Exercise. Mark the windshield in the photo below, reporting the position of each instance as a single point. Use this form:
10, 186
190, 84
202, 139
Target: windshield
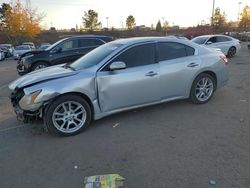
22, 48
200, 40
95, 56
55, 44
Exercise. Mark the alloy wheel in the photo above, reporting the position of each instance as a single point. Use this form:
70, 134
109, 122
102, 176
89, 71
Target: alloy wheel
204, 89
69, 117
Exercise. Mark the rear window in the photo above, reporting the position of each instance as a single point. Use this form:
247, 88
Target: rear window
173, 50
223, 39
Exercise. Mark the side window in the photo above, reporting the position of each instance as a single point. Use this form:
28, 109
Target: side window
68, 45
212, 39
172, 50
89, 42
138, 55
223, 39
190, 51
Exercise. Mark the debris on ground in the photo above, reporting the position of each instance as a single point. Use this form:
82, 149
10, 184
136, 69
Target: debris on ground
75, 167
115, 125
104, 181
212, 182
242, 120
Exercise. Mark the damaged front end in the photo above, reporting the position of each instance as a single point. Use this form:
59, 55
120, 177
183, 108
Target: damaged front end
23, 115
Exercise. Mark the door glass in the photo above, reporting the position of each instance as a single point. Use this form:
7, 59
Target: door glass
172, 50
223, 39
89, 42
138, 55
68, 45
212, 39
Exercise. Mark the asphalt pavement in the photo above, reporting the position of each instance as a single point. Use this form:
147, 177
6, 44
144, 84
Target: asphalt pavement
171, 145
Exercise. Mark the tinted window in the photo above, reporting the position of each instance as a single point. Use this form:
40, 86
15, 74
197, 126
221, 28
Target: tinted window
223, 39
95, 56
200, 40
172, 50
190, 51
212, 39
89, 42
68, 45
138, 55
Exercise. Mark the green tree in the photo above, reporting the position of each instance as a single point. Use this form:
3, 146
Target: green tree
158, 26
219, 20
130, 22
90, 20
245, 18
165, 26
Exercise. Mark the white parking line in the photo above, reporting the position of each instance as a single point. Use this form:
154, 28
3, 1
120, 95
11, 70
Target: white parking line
11, 128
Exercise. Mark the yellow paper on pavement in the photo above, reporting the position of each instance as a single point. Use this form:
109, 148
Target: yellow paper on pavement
104, 181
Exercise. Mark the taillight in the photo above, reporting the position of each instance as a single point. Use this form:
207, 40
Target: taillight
224, 58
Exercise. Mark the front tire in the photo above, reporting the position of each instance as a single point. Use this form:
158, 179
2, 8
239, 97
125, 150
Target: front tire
202, 89
68, 115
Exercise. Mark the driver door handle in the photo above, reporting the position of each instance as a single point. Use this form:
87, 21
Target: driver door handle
151, 74
192, 65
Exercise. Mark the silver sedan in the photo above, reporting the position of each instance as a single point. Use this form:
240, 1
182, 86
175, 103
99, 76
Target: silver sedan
120, 75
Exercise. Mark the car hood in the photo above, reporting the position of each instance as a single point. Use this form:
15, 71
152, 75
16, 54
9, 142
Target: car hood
42, 75
33, 52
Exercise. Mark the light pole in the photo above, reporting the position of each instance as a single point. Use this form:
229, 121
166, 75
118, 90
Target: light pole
107, 22
239, 3
212, 18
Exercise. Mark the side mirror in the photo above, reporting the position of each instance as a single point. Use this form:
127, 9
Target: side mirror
117, 65
209, 42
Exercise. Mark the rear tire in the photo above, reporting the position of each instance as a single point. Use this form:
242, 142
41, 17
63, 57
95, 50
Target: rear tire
202, 89
67, 115
231, 52
39, 65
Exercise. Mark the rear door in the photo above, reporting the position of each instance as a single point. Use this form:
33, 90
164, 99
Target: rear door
67, 53
178, 65
137, 84
224, 43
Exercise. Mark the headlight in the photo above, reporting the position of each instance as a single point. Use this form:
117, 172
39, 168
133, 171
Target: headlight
28, 102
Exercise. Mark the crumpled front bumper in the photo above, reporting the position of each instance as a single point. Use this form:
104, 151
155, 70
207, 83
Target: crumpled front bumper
22, 115
21, 69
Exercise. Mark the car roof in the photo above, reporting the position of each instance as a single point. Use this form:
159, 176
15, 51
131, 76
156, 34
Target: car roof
89, 36
213, 36
150, 39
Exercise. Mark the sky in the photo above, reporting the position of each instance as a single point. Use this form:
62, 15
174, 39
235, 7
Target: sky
67, 13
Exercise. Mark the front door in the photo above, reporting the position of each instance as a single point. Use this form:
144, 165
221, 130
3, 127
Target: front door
136, 85
68, 52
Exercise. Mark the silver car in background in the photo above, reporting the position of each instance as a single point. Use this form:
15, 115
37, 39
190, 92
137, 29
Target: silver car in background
228, 45
120, 75
20, 50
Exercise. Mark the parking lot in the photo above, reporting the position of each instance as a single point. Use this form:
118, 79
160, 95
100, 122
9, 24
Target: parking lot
172, 145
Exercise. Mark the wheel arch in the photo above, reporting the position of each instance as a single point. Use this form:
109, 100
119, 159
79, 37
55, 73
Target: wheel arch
40, 61
211, 73
82, 95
